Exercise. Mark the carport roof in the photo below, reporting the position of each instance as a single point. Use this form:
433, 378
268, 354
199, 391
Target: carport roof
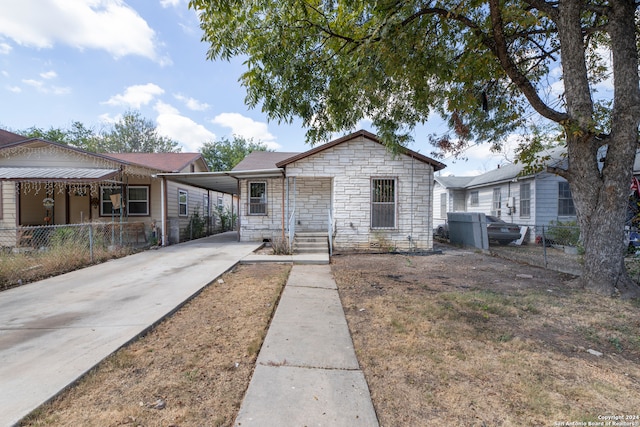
224, 182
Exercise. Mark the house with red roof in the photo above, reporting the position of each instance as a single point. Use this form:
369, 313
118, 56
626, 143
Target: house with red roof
47, 183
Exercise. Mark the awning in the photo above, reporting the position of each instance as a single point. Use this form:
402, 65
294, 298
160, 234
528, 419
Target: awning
224, 182
56, 174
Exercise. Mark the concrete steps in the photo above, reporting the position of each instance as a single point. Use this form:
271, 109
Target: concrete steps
310, 243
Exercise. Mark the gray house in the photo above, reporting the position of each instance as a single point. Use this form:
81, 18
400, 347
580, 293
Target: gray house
530, 200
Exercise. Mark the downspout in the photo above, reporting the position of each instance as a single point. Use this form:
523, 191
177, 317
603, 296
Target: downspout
163, 210
238, 209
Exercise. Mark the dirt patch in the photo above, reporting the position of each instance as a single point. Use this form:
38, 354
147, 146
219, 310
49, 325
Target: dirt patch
465, 338
191, 370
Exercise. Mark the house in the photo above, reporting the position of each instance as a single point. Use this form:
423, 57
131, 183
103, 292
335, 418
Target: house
47, 183
352, 189
534, 199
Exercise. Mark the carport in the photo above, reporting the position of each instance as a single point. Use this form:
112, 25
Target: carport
224, 182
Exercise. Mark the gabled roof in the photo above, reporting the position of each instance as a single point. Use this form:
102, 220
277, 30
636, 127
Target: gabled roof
262, 160
454, 181
361, 133
166, 162
7, 137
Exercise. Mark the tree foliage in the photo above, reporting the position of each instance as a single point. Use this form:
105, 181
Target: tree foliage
135, 134
225, 154
485, 66
131, 133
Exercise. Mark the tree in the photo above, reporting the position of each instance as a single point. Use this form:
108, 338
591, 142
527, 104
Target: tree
225, 154
483, 65
135, 134
52, 134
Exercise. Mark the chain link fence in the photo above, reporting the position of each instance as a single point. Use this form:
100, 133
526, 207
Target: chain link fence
33, 252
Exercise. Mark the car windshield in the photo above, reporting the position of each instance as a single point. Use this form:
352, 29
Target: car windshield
493, 219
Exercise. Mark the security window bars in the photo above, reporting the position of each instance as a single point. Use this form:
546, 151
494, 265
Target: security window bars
565, 200
525, 200
383, 203
257, 198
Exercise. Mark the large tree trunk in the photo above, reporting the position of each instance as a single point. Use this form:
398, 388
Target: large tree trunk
601, 201
600, 168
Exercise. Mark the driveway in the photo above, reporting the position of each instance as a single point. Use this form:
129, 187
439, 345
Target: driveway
55, 330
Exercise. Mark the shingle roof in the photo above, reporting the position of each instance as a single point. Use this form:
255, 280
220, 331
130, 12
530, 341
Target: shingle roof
166, 162
436, 164
7, 137
454, 181
257, 160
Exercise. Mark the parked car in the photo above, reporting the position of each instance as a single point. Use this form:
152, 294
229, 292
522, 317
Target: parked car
497, 230
502, 232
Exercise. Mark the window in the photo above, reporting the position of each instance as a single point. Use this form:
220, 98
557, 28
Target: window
106, 205
137, 200
565, 201
474, 199
183, 199
497, 202
383, 203
257, 198
205, 206
525, 199
443, 205
220, 203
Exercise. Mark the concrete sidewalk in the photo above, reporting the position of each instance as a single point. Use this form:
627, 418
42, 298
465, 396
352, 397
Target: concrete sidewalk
53, 331
307, 373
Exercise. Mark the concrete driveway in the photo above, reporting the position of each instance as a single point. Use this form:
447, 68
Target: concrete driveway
55, 330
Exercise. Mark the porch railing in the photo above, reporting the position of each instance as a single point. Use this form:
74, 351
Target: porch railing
330, 231
292, 229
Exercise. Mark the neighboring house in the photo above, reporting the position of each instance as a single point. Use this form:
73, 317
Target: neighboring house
78, 186
531, 200
352, 189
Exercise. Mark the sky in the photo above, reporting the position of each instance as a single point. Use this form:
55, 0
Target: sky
90, 61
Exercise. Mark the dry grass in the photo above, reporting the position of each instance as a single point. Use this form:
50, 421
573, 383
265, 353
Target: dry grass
460, 339
191, 370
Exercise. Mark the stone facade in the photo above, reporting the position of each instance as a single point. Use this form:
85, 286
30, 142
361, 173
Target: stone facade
339, 179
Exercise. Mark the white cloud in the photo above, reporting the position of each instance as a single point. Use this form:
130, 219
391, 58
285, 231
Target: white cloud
108, 119
174, 125
109, 25
136, 96
49, 75
247, 128
169, 3
41, 87
192, 103
14, 89
5, 48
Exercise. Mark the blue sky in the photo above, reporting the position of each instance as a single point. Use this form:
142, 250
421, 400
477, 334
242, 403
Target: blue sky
92, 60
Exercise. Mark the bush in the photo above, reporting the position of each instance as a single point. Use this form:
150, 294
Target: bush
565, 233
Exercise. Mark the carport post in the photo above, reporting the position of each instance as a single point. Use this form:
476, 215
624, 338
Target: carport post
163, 210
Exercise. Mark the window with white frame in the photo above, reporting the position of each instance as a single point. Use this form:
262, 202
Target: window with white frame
496, 205
383, 203
565, 200
183, 200
137, 200
443, 205
257, 198
220, 202
474, 198
206, 212
106, 204
525, 199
